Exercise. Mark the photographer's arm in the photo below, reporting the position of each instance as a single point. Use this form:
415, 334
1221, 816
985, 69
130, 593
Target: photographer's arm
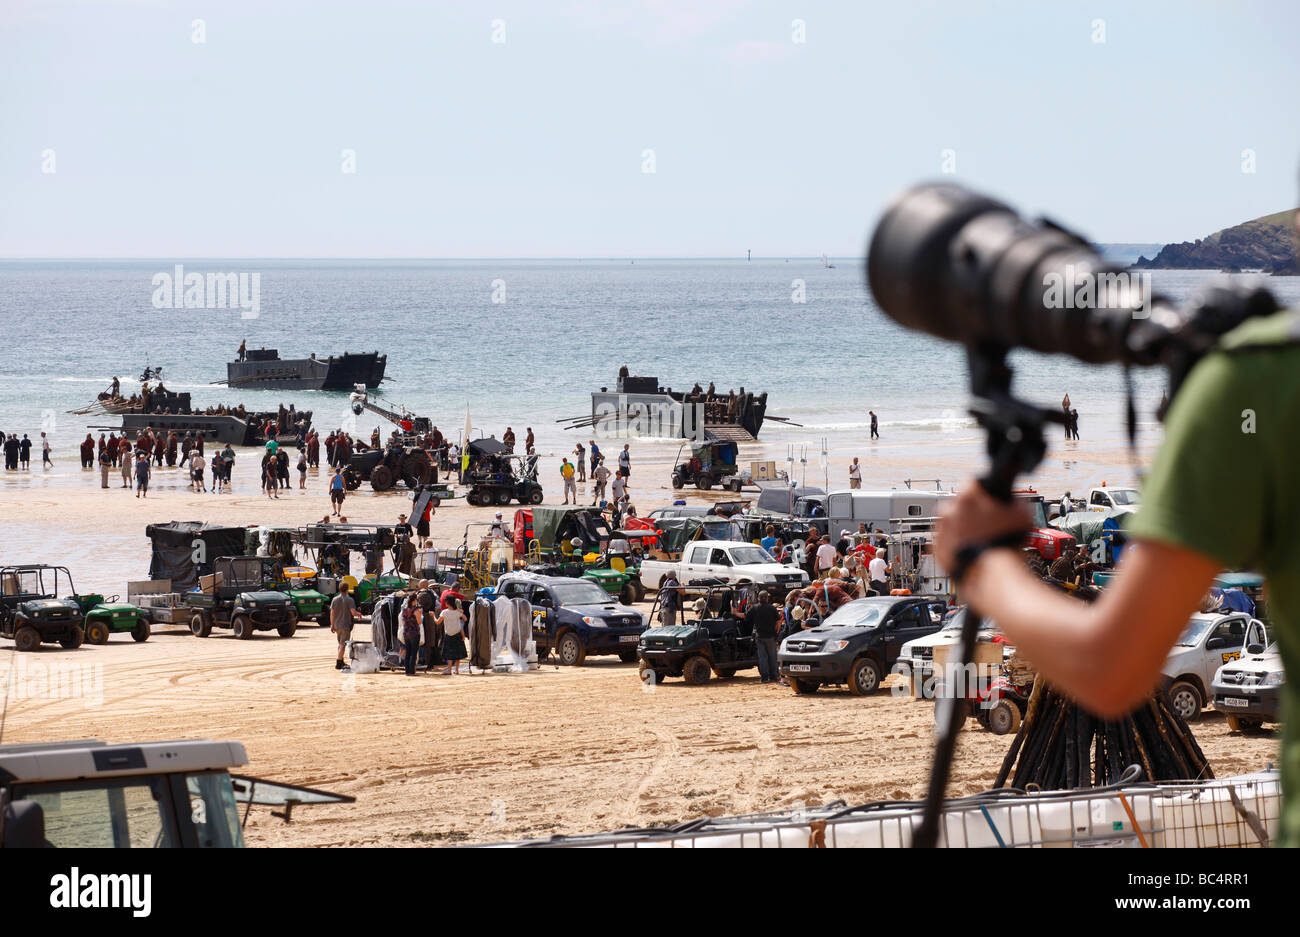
1108, 654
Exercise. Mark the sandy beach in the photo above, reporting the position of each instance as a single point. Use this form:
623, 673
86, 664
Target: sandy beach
481, 758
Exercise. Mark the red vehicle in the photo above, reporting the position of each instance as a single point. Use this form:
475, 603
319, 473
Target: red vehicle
1043, 544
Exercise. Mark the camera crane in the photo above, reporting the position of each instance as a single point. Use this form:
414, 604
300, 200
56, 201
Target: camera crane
407, 421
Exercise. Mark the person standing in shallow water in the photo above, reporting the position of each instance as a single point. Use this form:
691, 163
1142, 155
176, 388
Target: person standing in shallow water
875, 425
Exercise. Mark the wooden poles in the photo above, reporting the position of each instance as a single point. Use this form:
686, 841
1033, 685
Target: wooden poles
1061, 746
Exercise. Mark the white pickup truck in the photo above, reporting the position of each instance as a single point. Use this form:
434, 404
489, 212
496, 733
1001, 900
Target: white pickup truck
1209, 641
1105, 499
731, 561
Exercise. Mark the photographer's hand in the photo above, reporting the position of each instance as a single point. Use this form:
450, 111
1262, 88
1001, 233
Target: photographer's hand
975, 517
1107, 654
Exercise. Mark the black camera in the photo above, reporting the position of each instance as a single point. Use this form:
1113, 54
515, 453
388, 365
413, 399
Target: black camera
965, 267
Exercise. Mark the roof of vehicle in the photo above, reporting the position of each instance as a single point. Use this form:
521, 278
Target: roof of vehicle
488, 446
723, 543
538, 578
23, 567
89, 758
1239, 580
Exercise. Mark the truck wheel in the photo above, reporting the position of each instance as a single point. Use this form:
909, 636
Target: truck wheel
627, 595
1003, 718
535, 495
697, 670
242, 625
1037, 563
639, 589
704, 481
1250, 725
645, 668
803, 687
351, 479
1186, 700
72, 641
726, 673
570, 650
677, 481
864, 677
140, 633
381, 478
200, 625
286, 630
628, 657
503, 497
323, 619
96, 633
27, 638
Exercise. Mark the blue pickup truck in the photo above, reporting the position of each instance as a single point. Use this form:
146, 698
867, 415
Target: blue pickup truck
575, 617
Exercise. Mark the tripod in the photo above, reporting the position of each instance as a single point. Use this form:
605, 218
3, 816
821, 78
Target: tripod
1015, 445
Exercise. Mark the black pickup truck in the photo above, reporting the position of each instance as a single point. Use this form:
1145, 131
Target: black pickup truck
858, 643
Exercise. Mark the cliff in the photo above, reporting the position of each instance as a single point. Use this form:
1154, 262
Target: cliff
1267, 244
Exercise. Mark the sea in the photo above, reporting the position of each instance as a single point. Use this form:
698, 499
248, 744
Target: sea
523, 343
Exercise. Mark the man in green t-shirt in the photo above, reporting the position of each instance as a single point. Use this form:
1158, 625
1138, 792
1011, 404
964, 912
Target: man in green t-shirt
1221, 494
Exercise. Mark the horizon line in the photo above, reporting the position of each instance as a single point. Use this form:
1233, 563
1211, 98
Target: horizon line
859, 258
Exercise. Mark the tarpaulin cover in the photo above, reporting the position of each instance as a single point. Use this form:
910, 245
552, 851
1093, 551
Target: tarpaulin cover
1086, 526
175, 545
552, 523
488, 447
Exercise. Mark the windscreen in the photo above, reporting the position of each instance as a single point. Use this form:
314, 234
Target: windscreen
581, 593
755, 554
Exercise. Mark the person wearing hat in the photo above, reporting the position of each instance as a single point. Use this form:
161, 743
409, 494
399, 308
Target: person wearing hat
498, 530
402, 528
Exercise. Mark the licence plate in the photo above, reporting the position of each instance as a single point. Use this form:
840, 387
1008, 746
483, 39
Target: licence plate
800, 668
1235, 701
628, 638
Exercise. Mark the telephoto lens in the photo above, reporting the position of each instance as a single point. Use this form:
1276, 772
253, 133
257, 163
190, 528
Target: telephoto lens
966, 267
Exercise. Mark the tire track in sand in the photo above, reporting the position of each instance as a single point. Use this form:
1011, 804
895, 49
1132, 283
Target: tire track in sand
669, 749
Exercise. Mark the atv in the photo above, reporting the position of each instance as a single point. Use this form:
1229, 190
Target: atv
32, 613
107, 616
237, 600
718, 640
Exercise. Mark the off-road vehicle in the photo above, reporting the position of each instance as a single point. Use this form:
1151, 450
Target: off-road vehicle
234, 598
31, 611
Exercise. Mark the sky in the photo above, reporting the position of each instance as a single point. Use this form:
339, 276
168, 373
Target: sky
577, 128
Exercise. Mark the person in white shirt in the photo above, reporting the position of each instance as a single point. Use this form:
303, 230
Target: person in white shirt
619, 489
1066, 504
426, 559
453, 642
878, 573
498, 529
855, 474
827, 558
196, 467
